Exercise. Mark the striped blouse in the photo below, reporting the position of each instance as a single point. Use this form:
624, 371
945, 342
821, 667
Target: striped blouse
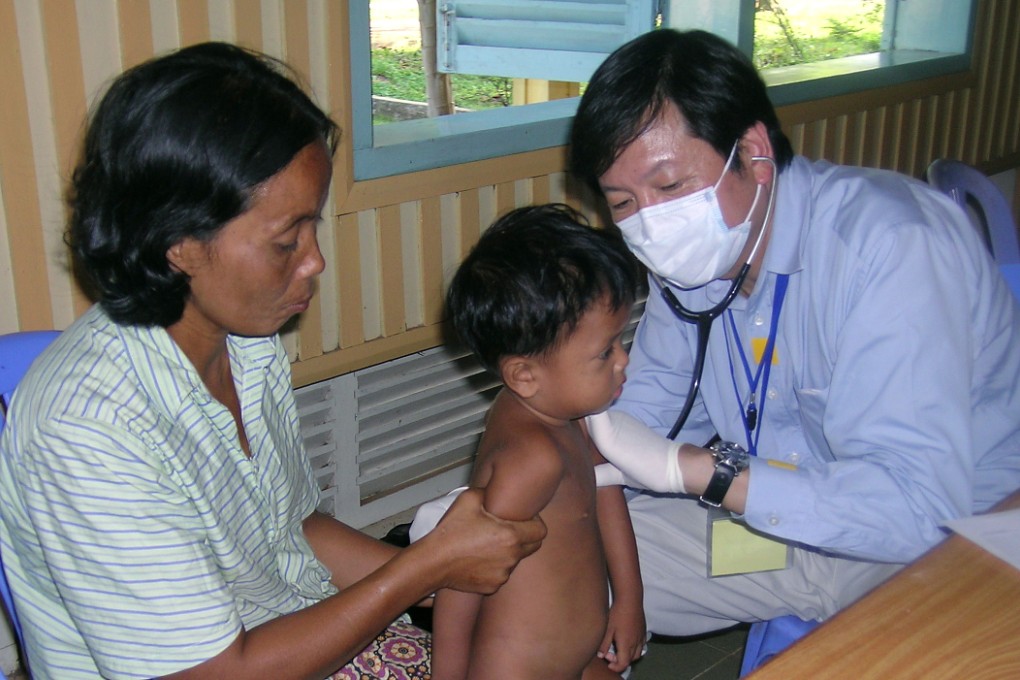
137, 536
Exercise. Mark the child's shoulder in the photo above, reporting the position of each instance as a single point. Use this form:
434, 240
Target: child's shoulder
520, 469
524, 441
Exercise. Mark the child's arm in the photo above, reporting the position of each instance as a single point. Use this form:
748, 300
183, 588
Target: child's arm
523, 480
626, 628
453, 624
520, 485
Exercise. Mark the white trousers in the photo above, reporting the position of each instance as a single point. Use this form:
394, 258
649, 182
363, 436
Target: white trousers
680, 599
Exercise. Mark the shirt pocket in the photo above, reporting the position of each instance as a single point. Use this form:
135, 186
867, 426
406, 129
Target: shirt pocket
812, 402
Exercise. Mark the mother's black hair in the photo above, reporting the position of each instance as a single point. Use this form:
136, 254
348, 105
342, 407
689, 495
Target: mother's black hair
174, 150
713, 84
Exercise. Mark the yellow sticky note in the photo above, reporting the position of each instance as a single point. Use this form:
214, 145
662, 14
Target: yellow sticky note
758, 349
737, 549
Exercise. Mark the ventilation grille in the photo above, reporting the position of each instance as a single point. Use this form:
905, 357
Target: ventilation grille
419, 416
318, 430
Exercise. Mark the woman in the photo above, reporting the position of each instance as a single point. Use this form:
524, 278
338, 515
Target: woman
158, 508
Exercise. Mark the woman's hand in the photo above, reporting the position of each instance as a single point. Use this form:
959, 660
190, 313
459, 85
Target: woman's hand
481, 549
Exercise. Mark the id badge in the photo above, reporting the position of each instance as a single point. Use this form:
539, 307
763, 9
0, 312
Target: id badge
735, 548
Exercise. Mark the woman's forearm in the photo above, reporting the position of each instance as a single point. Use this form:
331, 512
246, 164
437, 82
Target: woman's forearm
348, 554
317, 640
470, 550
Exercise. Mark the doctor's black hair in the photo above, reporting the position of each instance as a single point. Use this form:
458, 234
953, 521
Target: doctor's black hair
530, 278
175, 149
712, 83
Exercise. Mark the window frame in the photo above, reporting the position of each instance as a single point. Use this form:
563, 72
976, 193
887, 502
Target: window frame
430, 143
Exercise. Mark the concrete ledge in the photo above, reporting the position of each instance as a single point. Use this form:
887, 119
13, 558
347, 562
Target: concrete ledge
402, 109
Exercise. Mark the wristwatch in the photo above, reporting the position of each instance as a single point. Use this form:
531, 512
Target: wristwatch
730, 460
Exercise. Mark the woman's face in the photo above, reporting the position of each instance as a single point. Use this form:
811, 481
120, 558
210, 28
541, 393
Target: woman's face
259, 270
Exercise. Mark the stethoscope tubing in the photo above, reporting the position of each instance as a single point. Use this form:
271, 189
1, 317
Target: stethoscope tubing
703, 319
703, 322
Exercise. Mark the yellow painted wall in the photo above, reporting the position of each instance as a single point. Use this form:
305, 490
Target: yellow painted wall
392, 242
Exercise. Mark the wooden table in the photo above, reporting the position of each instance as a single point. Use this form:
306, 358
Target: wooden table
954, 613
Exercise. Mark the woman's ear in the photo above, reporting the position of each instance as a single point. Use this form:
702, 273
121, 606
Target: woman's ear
174, 255
182, 254
520, 374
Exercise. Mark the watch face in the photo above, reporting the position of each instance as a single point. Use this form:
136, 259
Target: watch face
727, 448
731, 454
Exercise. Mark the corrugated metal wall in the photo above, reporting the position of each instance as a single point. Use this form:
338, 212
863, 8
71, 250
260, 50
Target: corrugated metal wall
393, 241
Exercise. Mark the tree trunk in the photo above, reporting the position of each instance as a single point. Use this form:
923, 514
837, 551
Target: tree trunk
437, 85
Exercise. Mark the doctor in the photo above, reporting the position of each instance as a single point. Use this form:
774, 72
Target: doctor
861, 387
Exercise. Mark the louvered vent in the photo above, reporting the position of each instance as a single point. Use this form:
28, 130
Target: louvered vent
417, 417
543, 39
318, 425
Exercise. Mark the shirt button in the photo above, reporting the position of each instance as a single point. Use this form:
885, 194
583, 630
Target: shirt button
772, 393
794, 457
773, 520
759, 319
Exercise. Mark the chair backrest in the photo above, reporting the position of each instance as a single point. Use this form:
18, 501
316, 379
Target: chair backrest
962, 182
17, 352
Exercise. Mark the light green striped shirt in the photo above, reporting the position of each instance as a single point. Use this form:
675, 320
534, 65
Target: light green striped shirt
137, 536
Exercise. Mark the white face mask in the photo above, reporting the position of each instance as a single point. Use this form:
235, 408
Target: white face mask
686, 241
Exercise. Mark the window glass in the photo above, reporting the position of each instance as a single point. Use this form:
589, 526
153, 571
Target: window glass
507, 91
790, 32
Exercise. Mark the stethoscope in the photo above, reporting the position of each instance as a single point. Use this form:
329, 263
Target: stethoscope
703, 319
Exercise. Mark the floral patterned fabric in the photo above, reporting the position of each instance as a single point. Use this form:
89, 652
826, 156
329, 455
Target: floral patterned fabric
401, 652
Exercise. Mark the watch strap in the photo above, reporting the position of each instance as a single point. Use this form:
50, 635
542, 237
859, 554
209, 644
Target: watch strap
720, 483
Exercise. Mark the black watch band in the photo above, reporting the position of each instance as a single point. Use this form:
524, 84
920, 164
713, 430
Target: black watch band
720, 483
730, 460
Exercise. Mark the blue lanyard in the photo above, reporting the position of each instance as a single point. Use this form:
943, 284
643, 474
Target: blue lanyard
752, 415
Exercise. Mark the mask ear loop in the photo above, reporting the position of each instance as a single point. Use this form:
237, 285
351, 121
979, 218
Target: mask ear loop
766, 223
726, 168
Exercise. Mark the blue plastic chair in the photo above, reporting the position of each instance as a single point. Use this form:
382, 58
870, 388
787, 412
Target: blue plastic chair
768, 638
970, 188
17, 352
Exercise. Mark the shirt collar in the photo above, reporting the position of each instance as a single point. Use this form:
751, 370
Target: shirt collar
789, 220
248, 354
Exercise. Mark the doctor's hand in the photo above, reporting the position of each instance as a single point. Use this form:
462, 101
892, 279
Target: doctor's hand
640, 457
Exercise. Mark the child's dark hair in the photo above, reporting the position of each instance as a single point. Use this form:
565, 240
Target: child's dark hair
530, 278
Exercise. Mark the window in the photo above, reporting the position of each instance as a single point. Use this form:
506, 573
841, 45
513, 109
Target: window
917, 39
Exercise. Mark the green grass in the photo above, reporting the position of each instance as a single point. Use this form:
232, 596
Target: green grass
399, 74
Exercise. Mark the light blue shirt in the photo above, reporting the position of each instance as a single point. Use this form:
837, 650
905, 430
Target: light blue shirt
137, 536
894, 393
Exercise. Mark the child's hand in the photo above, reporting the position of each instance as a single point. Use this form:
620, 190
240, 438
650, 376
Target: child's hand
624, 641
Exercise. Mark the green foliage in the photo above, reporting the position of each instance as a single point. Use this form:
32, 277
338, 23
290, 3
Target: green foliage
773, 52
399, 74
807, 38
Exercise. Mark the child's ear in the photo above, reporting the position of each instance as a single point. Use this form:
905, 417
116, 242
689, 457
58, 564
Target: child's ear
520, 375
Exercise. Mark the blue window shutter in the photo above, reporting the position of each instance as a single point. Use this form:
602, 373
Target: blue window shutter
542, 39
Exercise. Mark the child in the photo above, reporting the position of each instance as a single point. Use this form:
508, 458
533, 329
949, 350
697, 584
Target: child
542, 301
